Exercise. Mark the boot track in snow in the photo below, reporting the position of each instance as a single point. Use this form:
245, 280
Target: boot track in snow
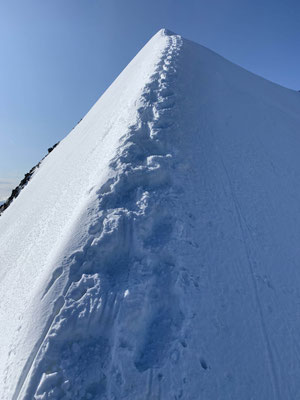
86, 319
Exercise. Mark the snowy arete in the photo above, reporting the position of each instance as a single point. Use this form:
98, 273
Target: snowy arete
155, 253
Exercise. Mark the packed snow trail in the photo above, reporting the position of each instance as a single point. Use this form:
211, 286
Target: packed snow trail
86, 323
154, 254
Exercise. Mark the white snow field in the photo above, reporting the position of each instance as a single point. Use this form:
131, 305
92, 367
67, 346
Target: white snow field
155, 254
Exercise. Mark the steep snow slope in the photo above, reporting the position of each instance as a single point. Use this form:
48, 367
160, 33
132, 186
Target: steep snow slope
155, 253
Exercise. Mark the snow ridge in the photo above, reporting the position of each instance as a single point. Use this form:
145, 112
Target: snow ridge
88, 348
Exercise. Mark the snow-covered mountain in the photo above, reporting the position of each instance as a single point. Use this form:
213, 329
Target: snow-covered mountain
155, 253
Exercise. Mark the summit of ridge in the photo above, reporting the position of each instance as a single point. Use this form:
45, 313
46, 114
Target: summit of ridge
166, 32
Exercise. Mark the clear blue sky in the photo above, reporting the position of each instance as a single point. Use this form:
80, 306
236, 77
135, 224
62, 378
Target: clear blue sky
58, 56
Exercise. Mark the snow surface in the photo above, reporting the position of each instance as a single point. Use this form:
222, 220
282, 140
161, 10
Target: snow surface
155, 253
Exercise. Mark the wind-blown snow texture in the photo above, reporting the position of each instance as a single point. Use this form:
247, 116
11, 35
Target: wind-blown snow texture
155, 253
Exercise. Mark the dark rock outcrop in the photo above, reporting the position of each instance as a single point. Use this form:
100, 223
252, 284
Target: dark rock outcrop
16, 191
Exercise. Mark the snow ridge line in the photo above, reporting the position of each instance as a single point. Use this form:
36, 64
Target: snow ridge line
123, 268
